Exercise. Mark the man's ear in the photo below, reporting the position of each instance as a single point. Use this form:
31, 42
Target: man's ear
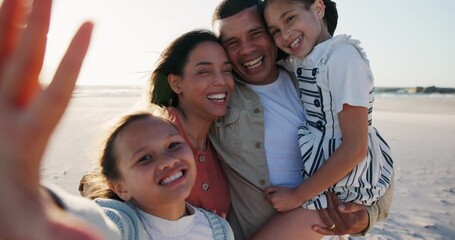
319, 8
174, 81
119, 188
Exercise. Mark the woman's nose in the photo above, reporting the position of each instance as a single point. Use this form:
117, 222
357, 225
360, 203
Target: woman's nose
220, 78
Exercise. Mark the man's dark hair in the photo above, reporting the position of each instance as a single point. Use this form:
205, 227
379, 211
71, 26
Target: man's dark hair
228, 8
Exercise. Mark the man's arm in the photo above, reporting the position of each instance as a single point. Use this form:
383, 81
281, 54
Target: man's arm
381, 209
352, 218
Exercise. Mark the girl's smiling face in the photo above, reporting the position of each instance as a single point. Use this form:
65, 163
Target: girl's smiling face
296, 28
156, 165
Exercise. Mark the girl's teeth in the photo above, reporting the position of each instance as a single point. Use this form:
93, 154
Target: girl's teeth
171, 178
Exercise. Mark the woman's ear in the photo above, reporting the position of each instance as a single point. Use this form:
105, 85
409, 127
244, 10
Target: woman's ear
120, 190
319, 8
174, 82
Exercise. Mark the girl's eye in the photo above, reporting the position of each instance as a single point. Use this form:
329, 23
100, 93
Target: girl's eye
290, 19
145, 159
173, 145
274, 32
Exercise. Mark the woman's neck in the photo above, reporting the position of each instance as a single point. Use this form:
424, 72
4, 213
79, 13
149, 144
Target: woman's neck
195, 127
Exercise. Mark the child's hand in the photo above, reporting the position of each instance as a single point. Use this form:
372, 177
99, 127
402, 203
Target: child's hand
28, 116
283, 199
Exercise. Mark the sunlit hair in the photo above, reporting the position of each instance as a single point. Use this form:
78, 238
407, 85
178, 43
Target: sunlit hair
330, 16
228, 8
95, 183
172, 61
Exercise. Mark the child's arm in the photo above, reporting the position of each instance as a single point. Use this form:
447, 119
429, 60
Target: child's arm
28, 115
354, 127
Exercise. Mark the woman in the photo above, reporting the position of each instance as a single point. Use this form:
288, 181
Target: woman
193, 78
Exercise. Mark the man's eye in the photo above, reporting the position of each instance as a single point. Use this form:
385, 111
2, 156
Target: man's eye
230, 44
256, 33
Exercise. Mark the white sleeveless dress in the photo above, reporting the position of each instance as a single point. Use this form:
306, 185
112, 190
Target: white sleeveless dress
337, 72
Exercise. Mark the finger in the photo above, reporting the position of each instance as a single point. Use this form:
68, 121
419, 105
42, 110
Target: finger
332, 209
323, 230
350, 207
30, 55
49, 107
325, 218
12, 15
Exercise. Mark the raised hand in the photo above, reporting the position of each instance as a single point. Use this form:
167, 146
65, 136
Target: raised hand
28, 115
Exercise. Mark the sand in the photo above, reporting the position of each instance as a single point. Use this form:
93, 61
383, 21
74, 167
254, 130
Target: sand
420, 130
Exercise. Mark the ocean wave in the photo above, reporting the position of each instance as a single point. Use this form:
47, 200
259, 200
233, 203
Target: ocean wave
135, 91
107, 91
414, 90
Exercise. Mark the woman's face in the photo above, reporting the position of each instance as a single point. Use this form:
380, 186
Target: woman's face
156, 165
207, 82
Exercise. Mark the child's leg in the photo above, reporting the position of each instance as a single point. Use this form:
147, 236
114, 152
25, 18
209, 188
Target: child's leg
295, 224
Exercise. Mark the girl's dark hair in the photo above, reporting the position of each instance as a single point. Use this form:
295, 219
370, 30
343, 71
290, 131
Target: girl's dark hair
172, 61
95, 183
330, 15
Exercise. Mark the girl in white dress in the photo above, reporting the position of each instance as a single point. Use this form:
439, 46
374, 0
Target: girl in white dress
341, 150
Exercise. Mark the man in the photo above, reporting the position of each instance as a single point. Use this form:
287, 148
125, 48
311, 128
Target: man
259, 130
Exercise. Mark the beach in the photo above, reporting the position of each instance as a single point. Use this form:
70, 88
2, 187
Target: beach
420, 129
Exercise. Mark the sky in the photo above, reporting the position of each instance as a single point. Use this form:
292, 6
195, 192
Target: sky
409, 43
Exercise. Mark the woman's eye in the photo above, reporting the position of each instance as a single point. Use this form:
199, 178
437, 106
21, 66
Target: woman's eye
204, 72
228, 69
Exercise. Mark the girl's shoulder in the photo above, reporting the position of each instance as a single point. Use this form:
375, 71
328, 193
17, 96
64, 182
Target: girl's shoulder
344, 46
220, 227
124, 215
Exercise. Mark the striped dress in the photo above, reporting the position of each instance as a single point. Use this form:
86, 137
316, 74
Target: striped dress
337, 72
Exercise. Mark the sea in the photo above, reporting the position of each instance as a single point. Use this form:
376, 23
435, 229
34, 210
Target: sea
137, 91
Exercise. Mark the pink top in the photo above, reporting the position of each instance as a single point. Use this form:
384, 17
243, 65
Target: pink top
211, 189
